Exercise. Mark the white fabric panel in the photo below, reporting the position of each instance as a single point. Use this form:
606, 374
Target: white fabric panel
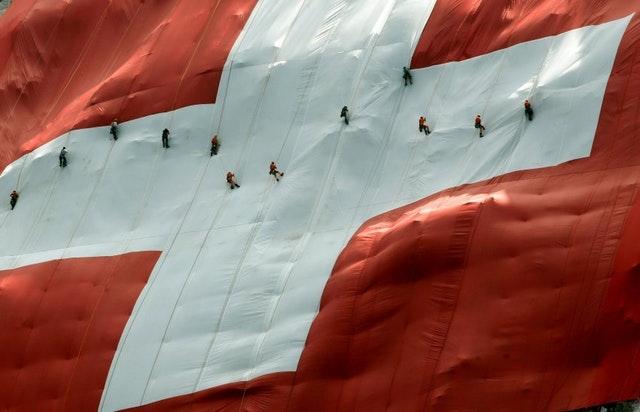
241, 272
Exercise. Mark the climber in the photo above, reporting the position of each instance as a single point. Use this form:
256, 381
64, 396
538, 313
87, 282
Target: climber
528, 111
345, 113
231, 179
406, 75
273, 170
165, 138
14, 199
422, 125
478, 125
214, 145
62, 157
114, 129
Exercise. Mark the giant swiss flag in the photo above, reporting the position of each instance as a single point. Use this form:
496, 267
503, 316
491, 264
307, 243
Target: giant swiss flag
387, 270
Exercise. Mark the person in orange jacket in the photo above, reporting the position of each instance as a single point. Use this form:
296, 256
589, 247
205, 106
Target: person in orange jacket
528, 111
422, 125
13, 199
478, 125
273, 170
214, 145
231, 179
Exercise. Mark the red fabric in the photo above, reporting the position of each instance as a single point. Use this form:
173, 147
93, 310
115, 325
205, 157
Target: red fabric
482, 298
515, 294
461, 29
73, 64
61, 322
519, 293
266, 393
620, 317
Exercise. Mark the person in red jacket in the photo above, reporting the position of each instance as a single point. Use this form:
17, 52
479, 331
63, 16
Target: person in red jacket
478, 125
422, 125
214, 145
273, 170
231, 179
13, 199
528, 111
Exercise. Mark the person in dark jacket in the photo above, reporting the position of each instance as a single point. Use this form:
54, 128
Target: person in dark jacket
165, 138
13, 199
114, 129
62, 157
345, 114
406, 75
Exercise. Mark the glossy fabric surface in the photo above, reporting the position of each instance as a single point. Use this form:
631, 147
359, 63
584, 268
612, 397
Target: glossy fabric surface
495, 273
69, 65
61, 321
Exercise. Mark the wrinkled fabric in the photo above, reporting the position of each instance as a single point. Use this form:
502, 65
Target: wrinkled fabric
74, 64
